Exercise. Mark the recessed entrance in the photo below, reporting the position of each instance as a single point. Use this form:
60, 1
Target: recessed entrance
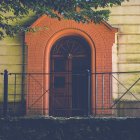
70, 60
54, 51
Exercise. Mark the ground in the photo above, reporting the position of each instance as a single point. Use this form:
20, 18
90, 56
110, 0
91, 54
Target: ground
70, 129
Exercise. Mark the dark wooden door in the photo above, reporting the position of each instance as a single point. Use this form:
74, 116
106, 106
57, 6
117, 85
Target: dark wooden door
70, 59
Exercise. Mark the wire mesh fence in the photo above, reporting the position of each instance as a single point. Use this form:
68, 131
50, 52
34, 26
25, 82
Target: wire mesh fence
70, 94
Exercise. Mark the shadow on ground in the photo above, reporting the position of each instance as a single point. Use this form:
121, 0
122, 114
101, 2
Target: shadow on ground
70, 129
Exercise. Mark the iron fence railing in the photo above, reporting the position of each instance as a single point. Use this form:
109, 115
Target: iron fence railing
70, 94
1, 92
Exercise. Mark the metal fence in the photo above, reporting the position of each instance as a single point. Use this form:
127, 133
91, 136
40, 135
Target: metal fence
99, 94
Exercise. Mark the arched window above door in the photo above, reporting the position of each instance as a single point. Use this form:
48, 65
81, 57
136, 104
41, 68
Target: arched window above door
70, 46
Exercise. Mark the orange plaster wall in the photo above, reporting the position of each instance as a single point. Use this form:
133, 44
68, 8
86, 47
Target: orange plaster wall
100, 38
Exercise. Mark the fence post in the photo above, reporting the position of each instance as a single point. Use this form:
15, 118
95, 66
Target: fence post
89, 92
5, 93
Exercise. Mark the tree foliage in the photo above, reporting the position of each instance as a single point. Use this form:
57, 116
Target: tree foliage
54, 8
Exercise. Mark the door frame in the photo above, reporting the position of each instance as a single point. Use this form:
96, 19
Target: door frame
46, 79
61, 51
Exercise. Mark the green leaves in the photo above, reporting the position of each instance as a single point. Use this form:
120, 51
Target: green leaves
53, 8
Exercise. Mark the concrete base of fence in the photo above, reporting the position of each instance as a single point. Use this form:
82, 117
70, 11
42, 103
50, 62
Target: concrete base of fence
128, 108
70, 129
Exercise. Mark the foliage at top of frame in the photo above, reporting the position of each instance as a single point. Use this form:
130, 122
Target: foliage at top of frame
68, 9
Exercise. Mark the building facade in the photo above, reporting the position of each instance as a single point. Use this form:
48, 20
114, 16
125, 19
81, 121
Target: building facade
103, 48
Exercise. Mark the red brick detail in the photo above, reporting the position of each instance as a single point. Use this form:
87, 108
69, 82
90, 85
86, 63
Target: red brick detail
100, 38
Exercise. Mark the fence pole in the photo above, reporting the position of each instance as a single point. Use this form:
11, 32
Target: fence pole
96, 93
5, 93
89, 92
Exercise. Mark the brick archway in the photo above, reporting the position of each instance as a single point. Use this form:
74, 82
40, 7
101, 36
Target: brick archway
53, 39
99, 37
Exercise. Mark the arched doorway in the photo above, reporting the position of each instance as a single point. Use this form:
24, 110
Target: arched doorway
69, 61
100, 39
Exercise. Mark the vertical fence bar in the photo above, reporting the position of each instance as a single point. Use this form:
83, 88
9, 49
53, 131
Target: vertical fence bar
110, 90
89, 91
96, 93
23, 90
5, 94
28, 94
15, 86
103, 91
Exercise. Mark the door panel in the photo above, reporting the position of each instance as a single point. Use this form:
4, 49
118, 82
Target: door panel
79, 86
59, 98
59, 64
